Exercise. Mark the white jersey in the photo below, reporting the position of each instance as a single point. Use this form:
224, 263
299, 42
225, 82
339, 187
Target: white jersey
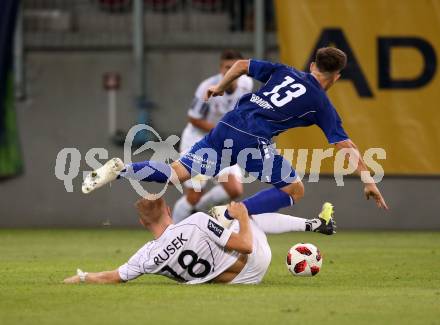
193, 251
213, 110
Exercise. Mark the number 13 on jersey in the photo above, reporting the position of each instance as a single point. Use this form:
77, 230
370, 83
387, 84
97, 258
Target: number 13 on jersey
274, 94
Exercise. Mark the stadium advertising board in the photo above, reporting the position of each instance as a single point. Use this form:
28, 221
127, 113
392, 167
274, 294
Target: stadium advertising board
389, 93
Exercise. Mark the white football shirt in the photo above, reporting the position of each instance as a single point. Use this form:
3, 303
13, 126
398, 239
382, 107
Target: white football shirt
191, 251
214, 109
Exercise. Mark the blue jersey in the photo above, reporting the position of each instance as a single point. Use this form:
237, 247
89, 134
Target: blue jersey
288, 99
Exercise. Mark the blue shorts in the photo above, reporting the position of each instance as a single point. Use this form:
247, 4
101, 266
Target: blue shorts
227, 145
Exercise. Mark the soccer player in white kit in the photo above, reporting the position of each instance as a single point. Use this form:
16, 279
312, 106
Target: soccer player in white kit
200, 250
203, 117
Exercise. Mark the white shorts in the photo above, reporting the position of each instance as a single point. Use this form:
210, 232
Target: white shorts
199, 182
258, 261
190, 136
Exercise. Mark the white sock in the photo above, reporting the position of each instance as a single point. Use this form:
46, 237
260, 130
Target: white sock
182, 209
215, 196
277, 223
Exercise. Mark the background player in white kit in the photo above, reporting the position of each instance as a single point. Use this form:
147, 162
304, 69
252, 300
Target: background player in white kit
200, 250
203, 116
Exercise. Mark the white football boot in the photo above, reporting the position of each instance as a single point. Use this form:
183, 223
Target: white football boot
103, 175
218, 213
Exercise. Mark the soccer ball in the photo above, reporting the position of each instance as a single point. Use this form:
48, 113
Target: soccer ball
304, 260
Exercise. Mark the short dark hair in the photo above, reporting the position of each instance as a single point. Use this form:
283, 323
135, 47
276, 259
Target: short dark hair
330, 59
230, 54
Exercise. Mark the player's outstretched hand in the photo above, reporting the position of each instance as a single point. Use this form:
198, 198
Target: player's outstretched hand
371, 190
213, 91
238, 210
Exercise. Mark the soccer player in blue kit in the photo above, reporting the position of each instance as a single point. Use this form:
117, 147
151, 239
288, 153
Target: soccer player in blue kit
288, 99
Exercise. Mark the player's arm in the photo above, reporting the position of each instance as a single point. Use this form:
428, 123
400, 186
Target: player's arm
330, 123
199, 110
370, 188
238, 69
201, 124
99, 277
241, 241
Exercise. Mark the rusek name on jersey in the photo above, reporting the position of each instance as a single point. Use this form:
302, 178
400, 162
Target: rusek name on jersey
169, 250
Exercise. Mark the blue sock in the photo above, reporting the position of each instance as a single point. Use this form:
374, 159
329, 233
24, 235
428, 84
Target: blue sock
149, 171
269, 200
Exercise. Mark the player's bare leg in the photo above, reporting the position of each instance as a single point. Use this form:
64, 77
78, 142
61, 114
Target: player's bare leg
180, 171
234, 187
295, 190
193, 196
149, 171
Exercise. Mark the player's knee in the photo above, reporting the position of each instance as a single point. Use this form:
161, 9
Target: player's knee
298, 192
235, 191
193, 197
295, 190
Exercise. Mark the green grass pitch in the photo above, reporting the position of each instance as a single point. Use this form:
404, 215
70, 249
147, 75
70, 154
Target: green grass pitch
367, 278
